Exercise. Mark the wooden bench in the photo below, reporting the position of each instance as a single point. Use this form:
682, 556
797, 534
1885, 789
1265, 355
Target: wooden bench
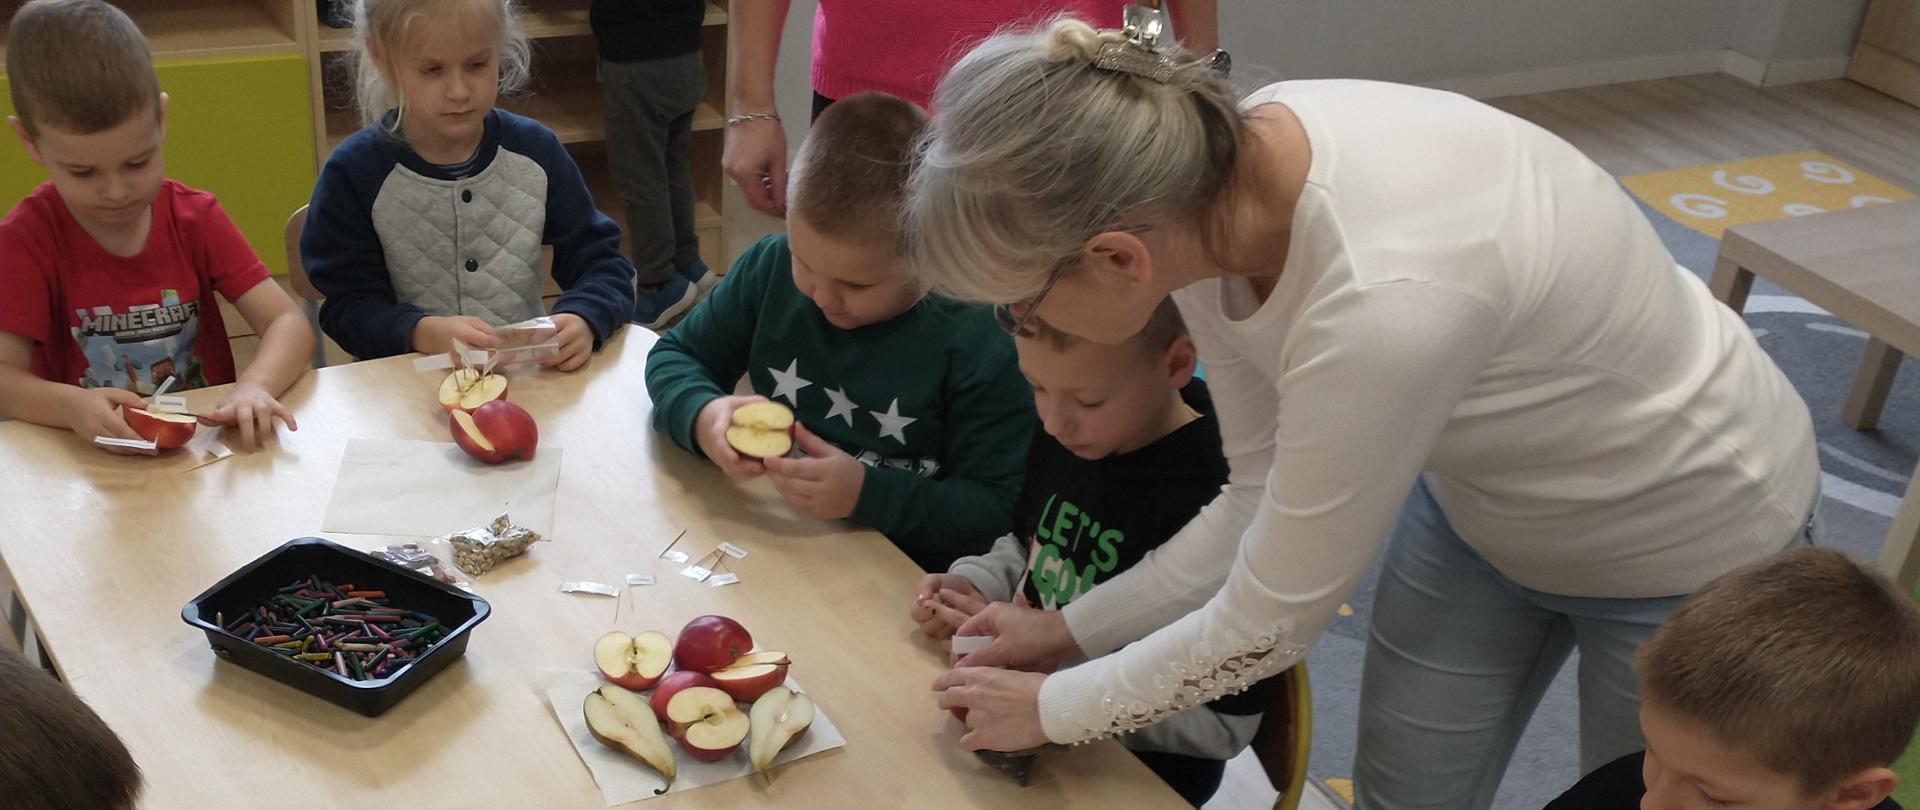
1862, 265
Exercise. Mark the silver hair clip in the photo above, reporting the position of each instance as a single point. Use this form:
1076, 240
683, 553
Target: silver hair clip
1141, 55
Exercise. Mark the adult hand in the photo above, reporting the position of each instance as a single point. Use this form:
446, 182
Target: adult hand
943, 603
250, 408
1001, 707
576, 343
92, 413
1024, 638
755, 156
826, 484
710, 433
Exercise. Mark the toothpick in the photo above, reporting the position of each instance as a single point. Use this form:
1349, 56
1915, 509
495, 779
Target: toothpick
165, 386
676, 541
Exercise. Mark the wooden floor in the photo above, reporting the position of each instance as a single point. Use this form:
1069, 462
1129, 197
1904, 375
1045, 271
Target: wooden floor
1674, 123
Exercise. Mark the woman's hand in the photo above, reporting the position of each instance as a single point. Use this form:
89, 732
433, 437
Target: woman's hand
1000, 707
755, 156
1024, 638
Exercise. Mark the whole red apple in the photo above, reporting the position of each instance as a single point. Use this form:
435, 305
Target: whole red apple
495, 432
711, 642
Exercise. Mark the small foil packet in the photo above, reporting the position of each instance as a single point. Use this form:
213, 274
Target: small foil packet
477, 550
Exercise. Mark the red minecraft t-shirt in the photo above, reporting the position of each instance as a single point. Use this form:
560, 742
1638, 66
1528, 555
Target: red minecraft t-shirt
99, 320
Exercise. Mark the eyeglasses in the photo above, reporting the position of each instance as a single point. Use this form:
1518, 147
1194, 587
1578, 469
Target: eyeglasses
1021, 325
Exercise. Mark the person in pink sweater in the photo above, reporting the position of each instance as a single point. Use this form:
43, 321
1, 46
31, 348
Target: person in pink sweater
901, 47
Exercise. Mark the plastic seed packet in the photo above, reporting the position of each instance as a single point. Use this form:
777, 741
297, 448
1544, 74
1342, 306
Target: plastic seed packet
477, 550
418, 558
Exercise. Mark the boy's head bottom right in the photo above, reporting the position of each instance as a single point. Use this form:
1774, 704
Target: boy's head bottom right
1789, 684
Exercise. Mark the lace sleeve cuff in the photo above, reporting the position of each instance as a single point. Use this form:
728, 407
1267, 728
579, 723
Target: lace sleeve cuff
1086, 703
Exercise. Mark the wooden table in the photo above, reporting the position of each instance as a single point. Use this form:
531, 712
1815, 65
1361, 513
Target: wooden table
106, 549
1862, 265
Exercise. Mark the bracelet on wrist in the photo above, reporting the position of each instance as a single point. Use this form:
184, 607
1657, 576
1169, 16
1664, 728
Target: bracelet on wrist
753, 116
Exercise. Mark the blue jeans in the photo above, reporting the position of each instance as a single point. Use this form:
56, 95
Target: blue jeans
1459, 656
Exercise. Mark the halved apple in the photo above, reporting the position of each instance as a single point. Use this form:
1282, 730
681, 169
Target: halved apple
635, 662
621, 720
762, 430
778, 720
749, 677
467, 389
495, 432
165, 429
707, 722
681, 679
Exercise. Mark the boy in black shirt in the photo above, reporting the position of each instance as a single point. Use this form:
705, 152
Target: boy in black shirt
655, 77
1790, 684
1129, 454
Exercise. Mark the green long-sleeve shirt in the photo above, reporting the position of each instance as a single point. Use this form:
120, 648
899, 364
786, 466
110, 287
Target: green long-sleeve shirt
932, 401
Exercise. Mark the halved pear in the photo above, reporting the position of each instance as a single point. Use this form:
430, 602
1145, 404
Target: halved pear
623, 721
762, 430
777, 720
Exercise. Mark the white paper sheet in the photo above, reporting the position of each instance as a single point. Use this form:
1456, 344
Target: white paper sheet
428, 489
623, 779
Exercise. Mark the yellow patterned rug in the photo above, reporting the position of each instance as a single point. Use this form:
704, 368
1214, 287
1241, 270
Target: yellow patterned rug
1712, 198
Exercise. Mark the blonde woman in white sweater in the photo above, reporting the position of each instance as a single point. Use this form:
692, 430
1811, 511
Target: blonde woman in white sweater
1426, 323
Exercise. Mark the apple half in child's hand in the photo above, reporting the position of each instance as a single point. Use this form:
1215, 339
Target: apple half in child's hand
495, 432
749, 677
621, 720
778, 720
707, 722
634, 662
762, 430
165, 429
466, 389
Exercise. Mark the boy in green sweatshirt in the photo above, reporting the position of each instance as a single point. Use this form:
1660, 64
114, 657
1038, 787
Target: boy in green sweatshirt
911, 411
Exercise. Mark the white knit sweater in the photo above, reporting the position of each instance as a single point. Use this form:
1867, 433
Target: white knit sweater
1467, 296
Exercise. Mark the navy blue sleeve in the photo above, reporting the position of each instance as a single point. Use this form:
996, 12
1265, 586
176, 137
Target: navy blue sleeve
342, 255
596, 278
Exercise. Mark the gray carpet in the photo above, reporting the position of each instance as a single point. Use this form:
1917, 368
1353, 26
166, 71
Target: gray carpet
1864, 476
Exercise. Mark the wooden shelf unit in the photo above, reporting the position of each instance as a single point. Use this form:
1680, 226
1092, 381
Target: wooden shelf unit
198, 29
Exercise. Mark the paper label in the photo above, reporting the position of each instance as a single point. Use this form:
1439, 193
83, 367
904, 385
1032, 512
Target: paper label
675, 556
963, 645
696, 573
723, 579
144, 446
168, 403
733, 551
639, 579
581, 586
433, 362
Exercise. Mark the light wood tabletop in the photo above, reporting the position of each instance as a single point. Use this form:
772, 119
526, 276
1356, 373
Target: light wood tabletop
104, 550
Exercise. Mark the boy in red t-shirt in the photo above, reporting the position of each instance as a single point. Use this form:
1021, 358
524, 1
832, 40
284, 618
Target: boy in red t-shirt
108, 271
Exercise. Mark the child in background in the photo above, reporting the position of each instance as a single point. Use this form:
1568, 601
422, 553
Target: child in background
909, 409
108, 270
56, 754
1790, 684
1130, 453
655, 77
426, 225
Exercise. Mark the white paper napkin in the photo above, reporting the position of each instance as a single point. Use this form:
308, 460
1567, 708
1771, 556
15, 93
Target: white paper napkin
428, 489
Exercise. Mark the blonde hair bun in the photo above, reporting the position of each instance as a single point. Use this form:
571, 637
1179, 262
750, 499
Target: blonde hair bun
1070, 40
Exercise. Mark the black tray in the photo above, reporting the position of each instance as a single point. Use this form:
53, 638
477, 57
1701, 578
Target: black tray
257, 581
